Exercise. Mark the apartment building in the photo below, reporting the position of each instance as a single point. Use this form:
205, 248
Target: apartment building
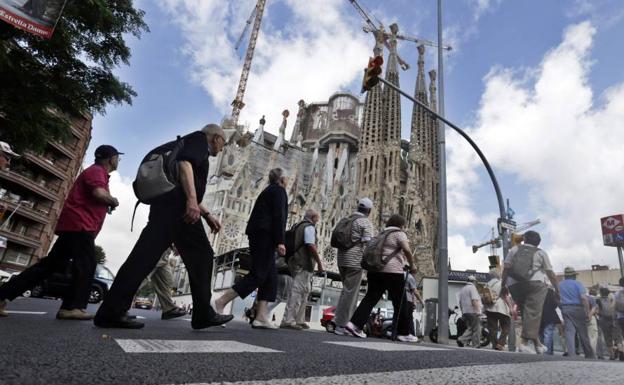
34, 189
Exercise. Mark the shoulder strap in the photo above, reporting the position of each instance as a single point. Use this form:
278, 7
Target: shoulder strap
396, 251
133, 214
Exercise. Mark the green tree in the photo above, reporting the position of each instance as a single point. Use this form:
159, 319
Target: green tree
100, 255
69, 73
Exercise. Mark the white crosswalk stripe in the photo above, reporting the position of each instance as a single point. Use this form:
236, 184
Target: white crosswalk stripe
189, 346
385, 346
554, 372
26, 312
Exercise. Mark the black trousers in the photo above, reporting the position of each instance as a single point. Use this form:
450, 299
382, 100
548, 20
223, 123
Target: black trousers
263, 274
79, 247
378, 283
165, 226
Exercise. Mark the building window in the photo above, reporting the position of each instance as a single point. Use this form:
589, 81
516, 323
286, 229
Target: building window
17, 258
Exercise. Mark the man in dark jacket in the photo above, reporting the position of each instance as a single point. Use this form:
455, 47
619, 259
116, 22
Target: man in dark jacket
174, 218
266, 230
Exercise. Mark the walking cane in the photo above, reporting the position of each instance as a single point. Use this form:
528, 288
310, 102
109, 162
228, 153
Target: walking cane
395, 321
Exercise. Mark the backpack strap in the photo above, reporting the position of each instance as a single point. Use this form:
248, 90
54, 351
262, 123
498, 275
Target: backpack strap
133, 214
395, 252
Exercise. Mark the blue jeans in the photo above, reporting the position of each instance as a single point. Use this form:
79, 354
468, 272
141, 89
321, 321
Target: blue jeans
546, 336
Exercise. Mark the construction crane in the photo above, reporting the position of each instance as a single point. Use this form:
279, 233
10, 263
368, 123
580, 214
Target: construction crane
381, 35
495, 242
256, 15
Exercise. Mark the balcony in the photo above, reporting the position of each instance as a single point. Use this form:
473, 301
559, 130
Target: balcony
29, 184
64, 150
46, 165
26, 212
21, 239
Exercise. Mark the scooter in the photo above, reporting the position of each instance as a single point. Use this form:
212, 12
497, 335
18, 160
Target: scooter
456, 319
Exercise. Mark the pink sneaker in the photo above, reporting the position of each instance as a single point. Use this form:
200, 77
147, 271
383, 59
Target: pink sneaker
351, 328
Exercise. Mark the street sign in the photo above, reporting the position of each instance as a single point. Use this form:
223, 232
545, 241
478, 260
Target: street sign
507, 224
613, 230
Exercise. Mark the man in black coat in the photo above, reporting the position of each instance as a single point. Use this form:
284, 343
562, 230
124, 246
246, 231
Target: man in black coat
174, 219
266, 230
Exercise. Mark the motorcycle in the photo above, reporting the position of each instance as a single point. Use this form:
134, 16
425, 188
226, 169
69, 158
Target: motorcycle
458, 321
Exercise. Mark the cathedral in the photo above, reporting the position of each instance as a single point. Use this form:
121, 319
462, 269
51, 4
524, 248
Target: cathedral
339, 151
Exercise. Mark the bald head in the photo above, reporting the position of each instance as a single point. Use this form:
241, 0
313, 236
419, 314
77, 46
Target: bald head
216, 137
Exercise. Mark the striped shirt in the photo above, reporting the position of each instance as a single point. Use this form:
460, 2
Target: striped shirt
393, 243
361, 232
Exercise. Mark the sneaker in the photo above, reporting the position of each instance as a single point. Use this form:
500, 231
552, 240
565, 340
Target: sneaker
541, 349
526, 349
341, 331
3, 312
304, 325
257, 324
74, 314
292, 325
408, 338
354, 330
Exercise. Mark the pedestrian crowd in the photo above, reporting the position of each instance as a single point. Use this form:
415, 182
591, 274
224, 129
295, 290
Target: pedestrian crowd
528, 299
524, 297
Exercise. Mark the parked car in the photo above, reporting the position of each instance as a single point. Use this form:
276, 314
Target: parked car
56, 285
327, 321
143, 303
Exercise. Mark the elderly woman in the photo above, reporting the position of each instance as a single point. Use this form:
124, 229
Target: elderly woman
266, 231
390, 278
497, 312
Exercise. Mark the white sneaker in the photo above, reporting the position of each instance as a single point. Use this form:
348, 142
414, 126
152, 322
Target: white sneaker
341, 331
408, 338
522, 348
541, 349
354, 330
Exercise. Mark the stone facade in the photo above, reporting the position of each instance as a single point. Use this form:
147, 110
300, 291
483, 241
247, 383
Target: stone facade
339, 150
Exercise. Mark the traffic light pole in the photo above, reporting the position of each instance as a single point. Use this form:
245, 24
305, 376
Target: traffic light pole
443, 326
499, 196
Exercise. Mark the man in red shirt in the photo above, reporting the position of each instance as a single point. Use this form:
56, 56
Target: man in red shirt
79, 223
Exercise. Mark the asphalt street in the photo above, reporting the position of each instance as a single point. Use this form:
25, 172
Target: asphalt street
38, 349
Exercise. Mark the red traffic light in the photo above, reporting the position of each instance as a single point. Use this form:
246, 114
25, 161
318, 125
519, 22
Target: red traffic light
371, 75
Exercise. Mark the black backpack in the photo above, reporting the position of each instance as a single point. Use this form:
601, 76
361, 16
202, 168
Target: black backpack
290, 239
372, 258
342, 235
521, 262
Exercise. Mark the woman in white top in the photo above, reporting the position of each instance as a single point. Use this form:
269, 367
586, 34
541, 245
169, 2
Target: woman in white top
390, 278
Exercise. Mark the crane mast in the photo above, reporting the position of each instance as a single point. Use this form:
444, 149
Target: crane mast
237, 103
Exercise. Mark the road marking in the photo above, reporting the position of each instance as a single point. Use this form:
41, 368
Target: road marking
385, 346
551, 372
189, 346
26, 312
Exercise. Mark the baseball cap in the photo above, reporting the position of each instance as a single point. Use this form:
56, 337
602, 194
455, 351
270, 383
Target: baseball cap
365, 203
5, 148
106, 151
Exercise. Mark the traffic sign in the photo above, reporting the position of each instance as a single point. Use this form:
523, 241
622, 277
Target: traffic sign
613, 230
506, 224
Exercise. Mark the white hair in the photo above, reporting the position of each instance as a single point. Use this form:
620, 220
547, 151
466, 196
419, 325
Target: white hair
213, 129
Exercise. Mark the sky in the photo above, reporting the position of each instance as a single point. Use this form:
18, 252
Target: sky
539, 85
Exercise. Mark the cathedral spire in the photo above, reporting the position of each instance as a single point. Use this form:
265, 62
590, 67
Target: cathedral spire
259, 134
421, 90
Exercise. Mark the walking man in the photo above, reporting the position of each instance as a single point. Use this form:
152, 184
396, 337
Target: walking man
162, 282
174, 218
302, 265
80, 221
526, 269
497, 312
606, 322
576, 312
349, 264
470, 305
266, 231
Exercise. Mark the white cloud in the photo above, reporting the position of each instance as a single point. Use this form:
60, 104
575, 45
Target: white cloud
115, 237
544, 127
317, 53
461, 255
